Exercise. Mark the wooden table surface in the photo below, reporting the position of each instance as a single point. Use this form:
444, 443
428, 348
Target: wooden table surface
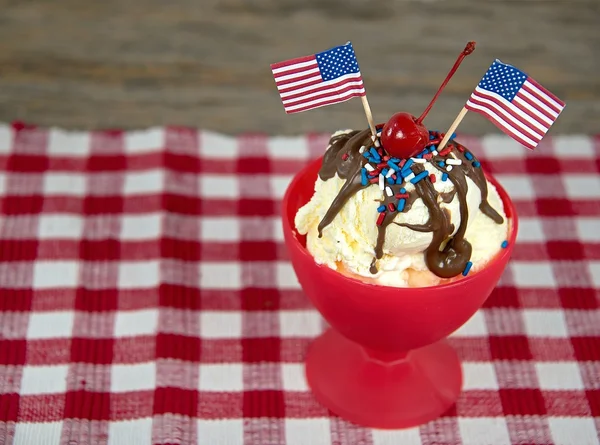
205, 63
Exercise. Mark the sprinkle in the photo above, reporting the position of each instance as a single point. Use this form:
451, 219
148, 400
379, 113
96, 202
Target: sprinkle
410, 175
449, 168
441, 163
363, 176
444, 177
362, 149
427, 156
401, 205
390, 180
374, 180
344, 156
453, 136
395, 160
369, 167
402, 195
381, 184
420, 176
504, 244
431, 137
467, 269
468, 155
432, 178
381, 208
377, 143
402, 162
386, 158
388, 191
375, 154
379, 130
407, 164
389, 173
366, 154
399, 179
460, 148
445, 151
419, 161
373, 137
402, 190
384, 171
391, 207
380, 219
451, 161
392, 165
434, 152
476, 164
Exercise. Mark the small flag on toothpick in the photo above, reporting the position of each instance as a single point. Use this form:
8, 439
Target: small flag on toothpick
515, 103
321, 79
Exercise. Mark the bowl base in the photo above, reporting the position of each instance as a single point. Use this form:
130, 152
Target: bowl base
399, 394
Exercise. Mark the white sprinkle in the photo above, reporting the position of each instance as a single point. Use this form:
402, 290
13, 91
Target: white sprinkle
449, 168
410, 176
388, 191
369, 167
362, 149
434, 152
389, 173
419, 160
453, 162
377, 143
373, 138
381, 182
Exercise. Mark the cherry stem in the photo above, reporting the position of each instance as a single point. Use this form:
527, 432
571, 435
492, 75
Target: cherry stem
468, 50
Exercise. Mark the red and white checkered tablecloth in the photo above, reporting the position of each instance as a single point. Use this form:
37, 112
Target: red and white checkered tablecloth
146, 297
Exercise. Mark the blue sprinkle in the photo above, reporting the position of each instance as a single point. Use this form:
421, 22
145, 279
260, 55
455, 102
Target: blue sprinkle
468, 155
431, 137
420, 176
467, 269
363, 176
366, 154
390, 180
504, 244
395, 160
476, 164
444, 177
381, 209
375, 155
407, 164
453, 136
399, 179
393, 166
401, 204
384, 171
441, 163
402, 190
406, 172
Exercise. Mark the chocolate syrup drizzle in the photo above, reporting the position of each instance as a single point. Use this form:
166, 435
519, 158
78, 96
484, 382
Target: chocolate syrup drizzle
446, 261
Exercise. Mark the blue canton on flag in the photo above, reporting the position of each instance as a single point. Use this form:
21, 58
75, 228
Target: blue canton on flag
503, 79
337, 62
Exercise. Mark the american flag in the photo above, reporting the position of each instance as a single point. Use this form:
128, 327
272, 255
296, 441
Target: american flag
516, 103
320, 79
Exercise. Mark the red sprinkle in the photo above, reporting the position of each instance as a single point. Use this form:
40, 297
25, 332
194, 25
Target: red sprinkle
432, 177
445, 151
382, 165
386, 158
391, 207
380, 218
374, 180
402, 162
344, 156
460, 148
402, 195
380, 151
427, 156
394, 177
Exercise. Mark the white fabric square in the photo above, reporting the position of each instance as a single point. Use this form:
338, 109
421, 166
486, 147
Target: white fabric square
315, 431
217, 377
559, 376
133, 377
530, 230
131, 323
2, 184
71, 184
63, 226
286, 277
293, 376
130, 432
532, 274
226, 275
139, 274
220, 324
484, 430
573, 146
517, 186
139, 227
545, 323
279, 184
474, 327
285, 147
594, 267
409, 436
300, 323
5, 139
220, 431
68, 143
46, 432
144, 141
224, 229
44, 379
55, 274
479, 376
573, 431
44, 325
500, 146
214, 145
588, 228
146, 182
219, 186
582, 185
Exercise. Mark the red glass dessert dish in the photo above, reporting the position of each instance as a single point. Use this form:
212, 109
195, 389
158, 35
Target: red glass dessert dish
384, 362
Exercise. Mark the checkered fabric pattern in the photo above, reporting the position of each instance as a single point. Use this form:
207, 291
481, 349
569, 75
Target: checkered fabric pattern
147, 298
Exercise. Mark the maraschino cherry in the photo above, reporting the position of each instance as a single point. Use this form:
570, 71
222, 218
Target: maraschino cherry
404, 135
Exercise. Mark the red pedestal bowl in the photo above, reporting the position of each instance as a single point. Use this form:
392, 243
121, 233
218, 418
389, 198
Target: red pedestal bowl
385, 363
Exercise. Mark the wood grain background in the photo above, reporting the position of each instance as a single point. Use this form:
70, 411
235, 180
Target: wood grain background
205, 63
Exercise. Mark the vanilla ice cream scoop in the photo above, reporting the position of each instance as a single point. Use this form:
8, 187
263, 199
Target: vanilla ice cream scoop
411, 222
